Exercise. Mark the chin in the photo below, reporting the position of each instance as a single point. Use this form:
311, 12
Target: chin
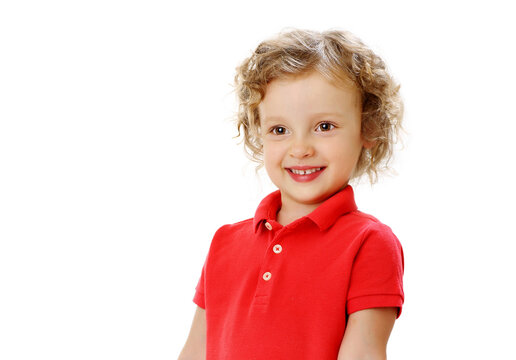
311, 199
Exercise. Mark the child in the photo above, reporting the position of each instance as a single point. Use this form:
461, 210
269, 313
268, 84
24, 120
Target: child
310, 276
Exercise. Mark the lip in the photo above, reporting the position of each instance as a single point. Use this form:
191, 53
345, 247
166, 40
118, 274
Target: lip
306, 177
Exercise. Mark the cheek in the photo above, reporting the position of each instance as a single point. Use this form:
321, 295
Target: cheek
342, 149
268, 156
272, 157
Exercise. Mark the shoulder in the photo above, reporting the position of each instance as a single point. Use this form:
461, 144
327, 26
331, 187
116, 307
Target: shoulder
370, 224
237, 226
239, 229
378, 242
362, 223
227, 239
370, 231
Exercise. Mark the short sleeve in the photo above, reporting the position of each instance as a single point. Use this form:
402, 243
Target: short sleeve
377, 272
199, 290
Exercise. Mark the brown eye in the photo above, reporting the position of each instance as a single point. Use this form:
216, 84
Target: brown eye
325, 126
279, 130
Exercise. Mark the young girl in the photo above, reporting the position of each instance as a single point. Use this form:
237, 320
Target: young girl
309, 276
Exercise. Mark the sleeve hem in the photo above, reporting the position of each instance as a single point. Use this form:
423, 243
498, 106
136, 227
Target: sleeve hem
374, 301
199, 299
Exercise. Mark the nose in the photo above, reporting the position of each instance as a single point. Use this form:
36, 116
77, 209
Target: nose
301, 147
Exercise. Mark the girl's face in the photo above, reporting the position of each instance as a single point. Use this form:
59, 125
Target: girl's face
311, 138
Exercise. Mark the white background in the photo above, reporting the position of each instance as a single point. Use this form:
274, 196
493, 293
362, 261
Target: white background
117, 164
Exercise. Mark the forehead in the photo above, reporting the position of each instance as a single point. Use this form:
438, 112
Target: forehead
306, 94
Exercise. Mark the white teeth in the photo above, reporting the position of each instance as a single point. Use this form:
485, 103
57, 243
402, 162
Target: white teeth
305, 172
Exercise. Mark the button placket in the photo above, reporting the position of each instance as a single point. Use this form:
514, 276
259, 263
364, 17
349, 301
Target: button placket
277, 249
267, 275
274, 234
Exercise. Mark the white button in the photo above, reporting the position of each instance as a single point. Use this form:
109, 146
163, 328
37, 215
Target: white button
277, 248
267, 276
268, 226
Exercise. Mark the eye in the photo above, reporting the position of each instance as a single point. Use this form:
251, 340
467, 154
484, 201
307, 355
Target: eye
325, 126
278, 130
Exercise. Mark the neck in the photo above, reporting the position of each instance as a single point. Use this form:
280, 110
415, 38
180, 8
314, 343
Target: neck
288, 214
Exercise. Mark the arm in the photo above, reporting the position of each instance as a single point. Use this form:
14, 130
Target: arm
195, 346
367, 333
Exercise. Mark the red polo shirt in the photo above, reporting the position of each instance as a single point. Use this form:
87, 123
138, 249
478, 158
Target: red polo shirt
284, 292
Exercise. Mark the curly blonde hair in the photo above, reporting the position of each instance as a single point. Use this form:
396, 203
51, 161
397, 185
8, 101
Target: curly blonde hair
340, 57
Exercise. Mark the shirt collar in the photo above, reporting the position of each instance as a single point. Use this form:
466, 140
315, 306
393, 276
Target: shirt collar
323, 216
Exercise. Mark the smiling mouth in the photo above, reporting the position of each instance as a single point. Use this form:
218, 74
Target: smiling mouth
305, 175
304, 172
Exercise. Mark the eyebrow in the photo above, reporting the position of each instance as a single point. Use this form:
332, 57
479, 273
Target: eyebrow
321, 114
314, 115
